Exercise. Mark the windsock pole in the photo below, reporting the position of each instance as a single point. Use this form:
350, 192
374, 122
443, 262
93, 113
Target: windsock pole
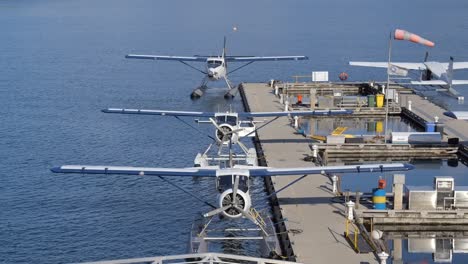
388, 85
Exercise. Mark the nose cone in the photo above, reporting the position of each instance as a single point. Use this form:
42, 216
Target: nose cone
212, 72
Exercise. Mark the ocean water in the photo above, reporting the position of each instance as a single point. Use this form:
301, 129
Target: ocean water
61, 62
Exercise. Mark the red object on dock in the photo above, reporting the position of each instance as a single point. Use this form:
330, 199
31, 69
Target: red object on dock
343, 76
382, 184
299, 99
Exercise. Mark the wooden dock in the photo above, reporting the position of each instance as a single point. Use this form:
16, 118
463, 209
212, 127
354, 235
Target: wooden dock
421, 110
316, 224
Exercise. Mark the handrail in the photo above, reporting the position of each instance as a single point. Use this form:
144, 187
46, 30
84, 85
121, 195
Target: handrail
356, 233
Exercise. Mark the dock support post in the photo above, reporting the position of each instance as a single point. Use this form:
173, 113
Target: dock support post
313, 98
296, 123
276, 90
397, 251
350, 206
383, 257
409, 105
286, 105
398, 183
334, 179
281, 98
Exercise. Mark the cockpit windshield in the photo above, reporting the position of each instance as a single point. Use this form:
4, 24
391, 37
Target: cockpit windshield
214, 63
231, 120
227, 182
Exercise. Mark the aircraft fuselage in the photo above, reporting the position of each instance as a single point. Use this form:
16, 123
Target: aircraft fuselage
216, 68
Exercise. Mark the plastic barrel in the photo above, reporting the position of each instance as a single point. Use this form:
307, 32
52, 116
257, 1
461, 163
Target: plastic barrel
371, 127
379, 199
379, 127
430, 127
380, 100
371, 100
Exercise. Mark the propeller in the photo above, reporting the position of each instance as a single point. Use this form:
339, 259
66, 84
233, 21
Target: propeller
217, 211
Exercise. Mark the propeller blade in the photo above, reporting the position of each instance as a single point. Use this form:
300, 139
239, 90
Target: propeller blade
234, 191
246, 214
216, 125
217, 211
234, 131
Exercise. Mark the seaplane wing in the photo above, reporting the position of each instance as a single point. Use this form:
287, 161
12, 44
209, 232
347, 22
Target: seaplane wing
405, 65
297, 113
270, 58
268, 171
213, 114
210, 171
172, 58
157, 112
213, 171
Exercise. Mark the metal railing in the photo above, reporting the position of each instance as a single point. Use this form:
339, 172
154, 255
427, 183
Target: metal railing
354, 239
203, 258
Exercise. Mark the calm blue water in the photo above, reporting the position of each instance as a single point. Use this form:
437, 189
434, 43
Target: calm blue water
63, 61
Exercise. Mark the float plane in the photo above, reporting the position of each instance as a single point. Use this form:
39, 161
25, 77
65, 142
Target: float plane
230, 127
432, 72
216, 66
232, 183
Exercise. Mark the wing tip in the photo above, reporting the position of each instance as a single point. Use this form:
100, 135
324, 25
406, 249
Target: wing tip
408, 166
56, 169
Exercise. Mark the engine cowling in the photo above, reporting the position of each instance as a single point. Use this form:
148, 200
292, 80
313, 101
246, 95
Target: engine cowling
223, 134
243, 202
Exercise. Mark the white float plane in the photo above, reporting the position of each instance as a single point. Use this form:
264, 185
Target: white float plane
433, 72
216, 66
230, 127
233, 183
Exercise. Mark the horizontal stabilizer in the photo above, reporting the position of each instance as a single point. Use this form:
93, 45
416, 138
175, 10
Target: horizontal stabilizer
459, 82
213, 171
172, 58
460, 65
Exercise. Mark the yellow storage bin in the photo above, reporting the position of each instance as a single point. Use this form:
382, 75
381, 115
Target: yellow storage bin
380, 100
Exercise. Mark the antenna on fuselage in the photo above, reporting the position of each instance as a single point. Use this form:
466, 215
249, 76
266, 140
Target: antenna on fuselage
224, 48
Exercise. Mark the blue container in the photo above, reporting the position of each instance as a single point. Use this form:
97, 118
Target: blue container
379, 199
430, 127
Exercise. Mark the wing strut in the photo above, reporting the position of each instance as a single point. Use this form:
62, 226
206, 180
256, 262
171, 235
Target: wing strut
183, 62
267, 123
240, 67
287, 186
196, 129
187, 192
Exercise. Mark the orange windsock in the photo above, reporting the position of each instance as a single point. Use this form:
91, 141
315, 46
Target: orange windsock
405, 35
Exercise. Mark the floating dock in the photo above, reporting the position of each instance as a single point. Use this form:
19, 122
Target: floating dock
315, 224
310, 221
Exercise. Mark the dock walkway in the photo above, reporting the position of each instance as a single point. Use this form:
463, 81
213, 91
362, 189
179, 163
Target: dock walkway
319, 223
428, 110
